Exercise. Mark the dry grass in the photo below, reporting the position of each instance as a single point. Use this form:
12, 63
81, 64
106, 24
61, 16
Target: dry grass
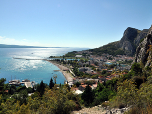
138, 110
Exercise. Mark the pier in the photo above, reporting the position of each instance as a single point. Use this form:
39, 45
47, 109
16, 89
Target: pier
28, 59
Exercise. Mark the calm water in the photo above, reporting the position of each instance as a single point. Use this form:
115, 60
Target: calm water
34, 70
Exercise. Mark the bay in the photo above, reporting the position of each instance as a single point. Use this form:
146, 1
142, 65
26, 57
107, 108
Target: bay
34, 70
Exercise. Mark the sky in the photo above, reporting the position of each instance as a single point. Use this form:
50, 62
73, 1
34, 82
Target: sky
70, 23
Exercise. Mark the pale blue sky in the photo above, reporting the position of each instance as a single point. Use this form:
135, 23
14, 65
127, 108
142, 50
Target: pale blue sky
70, 23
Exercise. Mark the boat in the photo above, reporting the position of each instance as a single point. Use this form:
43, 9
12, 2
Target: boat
15, 82
26, 80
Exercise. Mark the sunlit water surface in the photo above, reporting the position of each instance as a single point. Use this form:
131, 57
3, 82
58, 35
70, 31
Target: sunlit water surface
34, 70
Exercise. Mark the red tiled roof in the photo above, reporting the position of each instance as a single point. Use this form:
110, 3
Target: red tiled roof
100, 76
93, 64
108, 79
6, 91
95, 85
82, 83
84, 86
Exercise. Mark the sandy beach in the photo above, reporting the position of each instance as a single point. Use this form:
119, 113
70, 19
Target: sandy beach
62, 68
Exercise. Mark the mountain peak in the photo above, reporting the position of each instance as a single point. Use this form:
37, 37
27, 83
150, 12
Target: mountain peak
130, 33
127, 45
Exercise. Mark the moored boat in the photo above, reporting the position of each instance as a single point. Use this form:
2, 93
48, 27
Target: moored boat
26, 80
15, 82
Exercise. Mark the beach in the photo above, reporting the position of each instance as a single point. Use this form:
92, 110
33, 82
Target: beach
64, 71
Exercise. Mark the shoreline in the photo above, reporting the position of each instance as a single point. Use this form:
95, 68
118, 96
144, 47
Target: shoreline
68, 76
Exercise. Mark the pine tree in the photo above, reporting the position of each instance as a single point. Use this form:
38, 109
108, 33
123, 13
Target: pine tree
88, 95
60, 85
51, 84
42, 88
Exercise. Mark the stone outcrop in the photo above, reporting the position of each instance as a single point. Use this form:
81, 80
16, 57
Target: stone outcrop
142, 53
140, 36
101, 110
93, 110
131, 39
127, 45
117, 111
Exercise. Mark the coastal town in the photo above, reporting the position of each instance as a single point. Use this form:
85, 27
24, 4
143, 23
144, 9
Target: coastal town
84, 69
75, 57
91, 69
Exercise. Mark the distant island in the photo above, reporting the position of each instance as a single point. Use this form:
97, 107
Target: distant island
21, 46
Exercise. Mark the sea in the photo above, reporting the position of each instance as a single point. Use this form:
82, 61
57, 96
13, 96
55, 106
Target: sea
34, 70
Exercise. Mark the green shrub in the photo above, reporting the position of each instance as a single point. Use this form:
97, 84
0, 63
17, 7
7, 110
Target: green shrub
105, 104
141, 40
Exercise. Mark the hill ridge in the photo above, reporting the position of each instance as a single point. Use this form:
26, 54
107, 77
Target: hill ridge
126, 45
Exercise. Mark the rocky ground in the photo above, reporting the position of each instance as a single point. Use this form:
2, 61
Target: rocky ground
93, 110
101, 110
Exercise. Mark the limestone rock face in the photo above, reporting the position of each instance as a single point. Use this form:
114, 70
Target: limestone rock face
142, 53
127, 39
127, 45
131, 39
140, 36
129, 34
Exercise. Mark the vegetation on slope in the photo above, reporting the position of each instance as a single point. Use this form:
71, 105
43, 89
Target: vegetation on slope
132, 89
110, 48
127, 45
44, 100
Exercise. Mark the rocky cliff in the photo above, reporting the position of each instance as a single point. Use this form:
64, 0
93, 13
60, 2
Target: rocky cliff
127, 45
131, 39
142, 53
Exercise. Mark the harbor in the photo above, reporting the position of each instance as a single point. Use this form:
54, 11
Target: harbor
25, 82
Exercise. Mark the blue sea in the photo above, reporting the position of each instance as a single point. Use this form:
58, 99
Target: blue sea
34, 70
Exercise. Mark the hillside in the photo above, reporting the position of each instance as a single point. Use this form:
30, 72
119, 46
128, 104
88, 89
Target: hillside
110, 48
127, 45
